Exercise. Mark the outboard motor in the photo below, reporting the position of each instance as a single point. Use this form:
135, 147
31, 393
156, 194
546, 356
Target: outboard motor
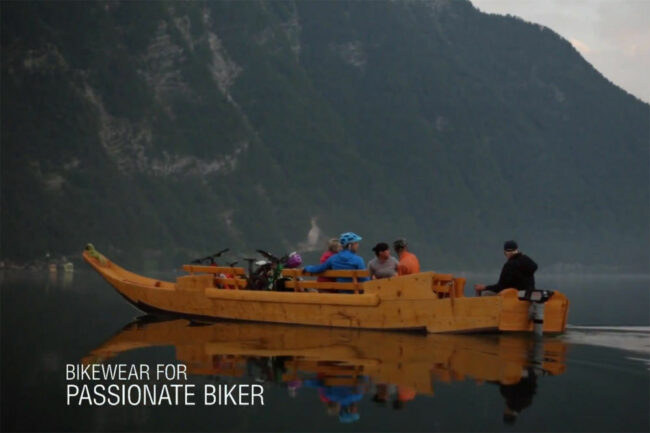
537, 298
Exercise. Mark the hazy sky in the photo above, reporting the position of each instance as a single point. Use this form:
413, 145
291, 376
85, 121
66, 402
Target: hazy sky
612, 35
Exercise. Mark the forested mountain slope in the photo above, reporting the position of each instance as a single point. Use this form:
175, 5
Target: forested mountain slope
164, 130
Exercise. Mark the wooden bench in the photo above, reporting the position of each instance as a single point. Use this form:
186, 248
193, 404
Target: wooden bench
333, 286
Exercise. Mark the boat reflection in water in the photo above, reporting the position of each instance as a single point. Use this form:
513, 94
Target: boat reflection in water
344, 365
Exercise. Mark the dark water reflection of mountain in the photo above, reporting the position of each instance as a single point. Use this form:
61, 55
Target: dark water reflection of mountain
321, 379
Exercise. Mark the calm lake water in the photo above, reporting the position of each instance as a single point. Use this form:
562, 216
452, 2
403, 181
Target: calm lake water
595, 377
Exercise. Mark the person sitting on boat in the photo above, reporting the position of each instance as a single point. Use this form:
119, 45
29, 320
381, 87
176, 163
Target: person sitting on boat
346, 259
517, 272
383, 265
408, 262
333, 247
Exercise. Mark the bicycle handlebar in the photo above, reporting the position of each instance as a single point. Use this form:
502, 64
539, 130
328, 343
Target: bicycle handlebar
210, 257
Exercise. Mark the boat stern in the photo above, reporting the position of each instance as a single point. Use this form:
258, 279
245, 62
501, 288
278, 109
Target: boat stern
516, 315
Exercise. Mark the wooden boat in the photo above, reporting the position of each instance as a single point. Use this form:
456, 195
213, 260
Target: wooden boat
425, 301
341, 355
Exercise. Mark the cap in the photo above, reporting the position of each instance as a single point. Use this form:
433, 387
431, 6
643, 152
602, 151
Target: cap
510, 246
400, 243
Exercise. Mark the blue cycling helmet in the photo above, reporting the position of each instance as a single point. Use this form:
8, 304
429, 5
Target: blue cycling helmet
348, 238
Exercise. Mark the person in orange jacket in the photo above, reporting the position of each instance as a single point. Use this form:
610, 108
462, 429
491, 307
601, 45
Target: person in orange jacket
408, 262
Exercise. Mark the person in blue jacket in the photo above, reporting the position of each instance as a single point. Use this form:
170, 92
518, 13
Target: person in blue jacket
346, 259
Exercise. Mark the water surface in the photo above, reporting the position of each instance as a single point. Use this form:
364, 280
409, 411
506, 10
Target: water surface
595, 377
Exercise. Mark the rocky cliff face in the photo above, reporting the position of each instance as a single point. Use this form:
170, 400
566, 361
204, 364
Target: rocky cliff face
164, 130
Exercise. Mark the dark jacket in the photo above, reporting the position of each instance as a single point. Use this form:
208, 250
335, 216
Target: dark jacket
516, 273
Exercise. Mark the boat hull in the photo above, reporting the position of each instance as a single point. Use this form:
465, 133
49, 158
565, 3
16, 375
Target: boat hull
400, 303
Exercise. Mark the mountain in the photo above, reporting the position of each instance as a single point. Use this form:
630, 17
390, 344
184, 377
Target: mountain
162, 131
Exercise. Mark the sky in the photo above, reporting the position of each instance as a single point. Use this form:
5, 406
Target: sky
612, 35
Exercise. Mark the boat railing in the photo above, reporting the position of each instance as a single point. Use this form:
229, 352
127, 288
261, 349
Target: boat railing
226, 277
226, 270
235, 278
442, 285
